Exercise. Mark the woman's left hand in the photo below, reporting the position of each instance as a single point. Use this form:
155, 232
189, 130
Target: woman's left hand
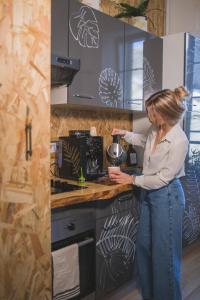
121, 177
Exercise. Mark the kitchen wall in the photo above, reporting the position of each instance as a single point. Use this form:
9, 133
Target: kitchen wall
183, 16
25, 247
65, 119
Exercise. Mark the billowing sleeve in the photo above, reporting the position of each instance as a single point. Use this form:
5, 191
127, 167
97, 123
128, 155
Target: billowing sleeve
175, 163
136, 139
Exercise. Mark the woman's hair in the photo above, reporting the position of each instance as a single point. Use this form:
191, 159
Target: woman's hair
168, 104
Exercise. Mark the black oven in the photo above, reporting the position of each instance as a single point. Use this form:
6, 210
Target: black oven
71, 226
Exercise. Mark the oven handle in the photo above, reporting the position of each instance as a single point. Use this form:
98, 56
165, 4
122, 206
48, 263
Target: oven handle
85, 242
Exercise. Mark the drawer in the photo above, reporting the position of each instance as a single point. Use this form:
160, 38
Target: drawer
124, 201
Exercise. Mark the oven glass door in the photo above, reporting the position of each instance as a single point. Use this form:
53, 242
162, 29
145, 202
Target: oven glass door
86, 243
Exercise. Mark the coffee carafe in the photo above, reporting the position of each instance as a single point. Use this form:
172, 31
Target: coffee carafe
116, 154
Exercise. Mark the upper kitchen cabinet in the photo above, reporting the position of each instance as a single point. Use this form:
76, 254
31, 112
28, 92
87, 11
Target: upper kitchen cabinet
98, 41
107, 63
59, 27
143, 67
152, 65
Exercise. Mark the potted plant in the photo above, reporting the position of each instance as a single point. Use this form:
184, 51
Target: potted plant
141, 10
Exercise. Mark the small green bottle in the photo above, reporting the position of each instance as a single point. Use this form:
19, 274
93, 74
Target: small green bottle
81, 179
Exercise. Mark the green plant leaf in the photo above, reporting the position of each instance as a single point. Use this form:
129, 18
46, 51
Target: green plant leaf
132, 11
143, 7
125, 5
124, 15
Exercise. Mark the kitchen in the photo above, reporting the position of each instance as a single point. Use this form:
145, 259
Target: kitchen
25, 209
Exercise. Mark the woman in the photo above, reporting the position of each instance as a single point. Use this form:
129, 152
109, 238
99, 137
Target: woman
159, 238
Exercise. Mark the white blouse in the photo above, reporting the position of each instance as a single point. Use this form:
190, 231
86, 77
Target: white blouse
166, 162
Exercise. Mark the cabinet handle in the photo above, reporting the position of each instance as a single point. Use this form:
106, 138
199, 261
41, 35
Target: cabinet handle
132, 102
70, 226
83, 96
86, 242
28, 130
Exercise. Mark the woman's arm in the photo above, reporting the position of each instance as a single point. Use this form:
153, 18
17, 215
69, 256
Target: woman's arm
175, 163
121, 177
176, 160
136, 139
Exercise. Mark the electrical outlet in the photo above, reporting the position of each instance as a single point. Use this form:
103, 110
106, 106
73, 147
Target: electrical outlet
53, 147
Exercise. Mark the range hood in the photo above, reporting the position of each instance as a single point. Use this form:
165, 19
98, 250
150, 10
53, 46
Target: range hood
63, 70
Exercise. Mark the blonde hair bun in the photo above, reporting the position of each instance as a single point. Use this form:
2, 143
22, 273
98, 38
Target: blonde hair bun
180, 92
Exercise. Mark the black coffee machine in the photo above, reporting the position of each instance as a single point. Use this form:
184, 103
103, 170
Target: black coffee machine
79, 151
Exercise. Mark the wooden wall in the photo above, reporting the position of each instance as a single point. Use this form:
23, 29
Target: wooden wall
63, 120
156, 18
25, 261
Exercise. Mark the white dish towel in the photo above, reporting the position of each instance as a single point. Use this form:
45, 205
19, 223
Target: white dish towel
66, 282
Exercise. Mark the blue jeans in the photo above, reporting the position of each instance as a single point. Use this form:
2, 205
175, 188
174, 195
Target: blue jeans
159, 242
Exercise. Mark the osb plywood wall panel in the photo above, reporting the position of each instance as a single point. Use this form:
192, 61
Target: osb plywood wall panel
156, 12
157, 15
63, 120
25, 260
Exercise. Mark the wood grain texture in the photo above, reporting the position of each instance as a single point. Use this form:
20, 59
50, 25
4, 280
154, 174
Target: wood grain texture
65, 119
94, 191
25, 264
157, 15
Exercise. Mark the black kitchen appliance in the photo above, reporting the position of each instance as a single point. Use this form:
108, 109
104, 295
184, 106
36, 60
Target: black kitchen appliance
79, 151
77, 225
63, 70
115, 153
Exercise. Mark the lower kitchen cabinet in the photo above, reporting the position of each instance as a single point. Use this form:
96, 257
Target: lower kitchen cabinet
191, 221
106, 233
116, 227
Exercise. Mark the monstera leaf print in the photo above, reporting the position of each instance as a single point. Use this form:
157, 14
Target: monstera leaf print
71, 156
116, 245
84, 27
109, 87
149, 77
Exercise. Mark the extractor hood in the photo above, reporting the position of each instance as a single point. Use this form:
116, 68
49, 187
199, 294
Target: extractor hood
63, 70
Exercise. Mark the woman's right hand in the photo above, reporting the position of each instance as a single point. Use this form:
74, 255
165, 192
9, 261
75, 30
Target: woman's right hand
116, 131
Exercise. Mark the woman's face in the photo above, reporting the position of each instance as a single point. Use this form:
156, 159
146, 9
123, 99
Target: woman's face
155, 118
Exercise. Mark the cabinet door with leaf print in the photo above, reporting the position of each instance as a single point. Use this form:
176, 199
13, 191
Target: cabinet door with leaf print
116, 227
143, 67
133, 78
152, 65
98, 41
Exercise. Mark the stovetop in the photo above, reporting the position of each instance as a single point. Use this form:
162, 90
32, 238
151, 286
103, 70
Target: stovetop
59, 186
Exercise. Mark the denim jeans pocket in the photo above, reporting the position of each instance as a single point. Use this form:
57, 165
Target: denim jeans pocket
175, 191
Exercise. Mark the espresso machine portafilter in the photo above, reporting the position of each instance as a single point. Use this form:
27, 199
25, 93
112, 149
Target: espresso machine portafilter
115, 153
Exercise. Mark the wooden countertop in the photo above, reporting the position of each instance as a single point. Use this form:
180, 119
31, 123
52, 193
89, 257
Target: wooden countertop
94, 191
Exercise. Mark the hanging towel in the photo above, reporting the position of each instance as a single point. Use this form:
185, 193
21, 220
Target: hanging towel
66, 282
